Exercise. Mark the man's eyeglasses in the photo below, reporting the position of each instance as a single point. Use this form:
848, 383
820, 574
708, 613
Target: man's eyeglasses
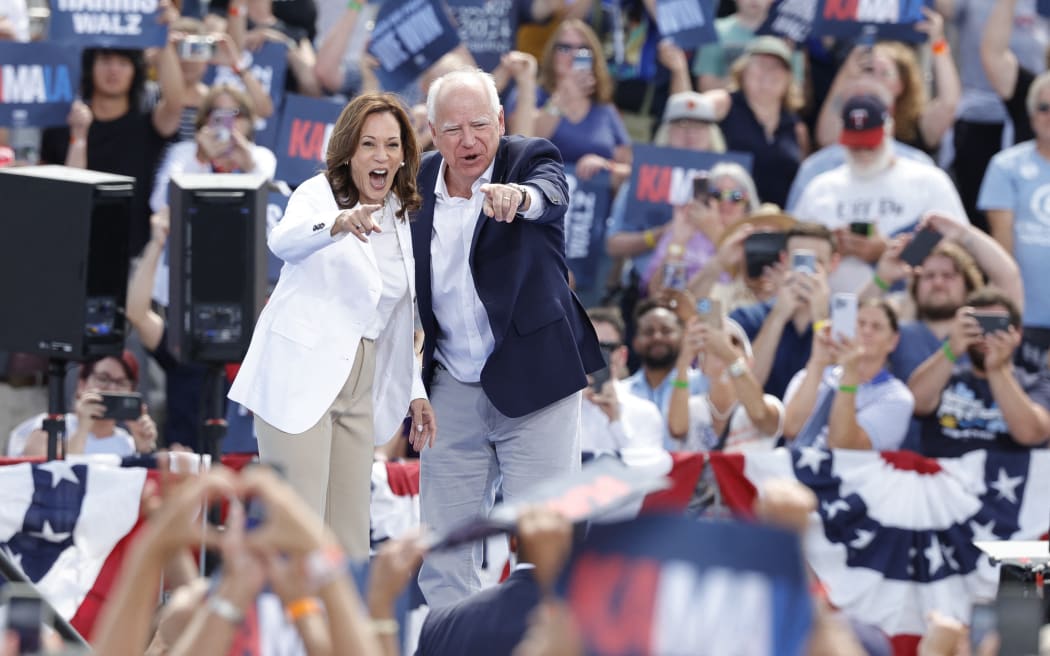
565, 48
729, 195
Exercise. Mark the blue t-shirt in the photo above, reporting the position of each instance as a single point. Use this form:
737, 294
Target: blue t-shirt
968, 418
917, 343
661, 396
792, 351
1018, 180
599, 132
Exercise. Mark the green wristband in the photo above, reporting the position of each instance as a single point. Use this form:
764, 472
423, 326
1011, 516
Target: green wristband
880, 283
353, 5
848, 389
680, 384
946, 347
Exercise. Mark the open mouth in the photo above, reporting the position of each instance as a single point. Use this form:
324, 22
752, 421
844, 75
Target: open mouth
470, 159
377, 179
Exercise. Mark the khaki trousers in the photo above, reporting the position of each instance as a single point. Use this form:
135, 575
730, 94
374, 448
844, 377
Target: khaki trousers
330, 465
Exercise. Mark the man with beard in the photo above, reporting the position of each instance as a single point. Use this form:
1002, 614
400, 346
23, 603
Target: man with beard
988, 402
886, 193
657, 342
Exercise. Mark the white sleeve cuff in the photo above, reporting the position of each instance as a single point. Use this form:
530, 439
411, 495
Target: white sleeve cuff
537, 203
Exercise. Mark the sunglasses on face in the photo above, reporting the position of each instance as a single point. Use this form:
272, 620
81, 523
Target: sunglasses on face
729, 195
565, 48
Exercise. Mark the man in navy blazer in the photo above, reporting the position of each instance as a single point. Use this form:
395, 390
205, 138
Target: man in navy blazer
508, 345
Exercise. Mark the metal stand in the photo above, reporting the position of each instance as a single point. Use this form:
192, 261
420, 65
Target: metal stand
214, 412
55, 422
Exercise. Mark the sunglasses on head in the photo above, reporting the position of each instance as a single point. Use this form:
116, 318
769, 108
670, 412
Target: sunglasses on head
729, 195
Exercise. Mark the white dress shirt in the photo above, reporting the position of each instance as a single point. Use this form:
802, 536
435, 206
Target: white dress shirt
640, 424
466, 340
391, 269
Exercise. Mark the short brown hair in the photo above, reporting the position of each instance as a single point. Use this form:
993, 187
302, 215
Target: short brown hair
988, 296
245, 109
611, 316
346, 135
812, 230
603, 82
964, 263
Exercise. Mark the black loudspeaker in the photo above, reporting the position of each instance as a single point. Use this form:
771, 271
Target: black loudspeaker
217, 262
63, 261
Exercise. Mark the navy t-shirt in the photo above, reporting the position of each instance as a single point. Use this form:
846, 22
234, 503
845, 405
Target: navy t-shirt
792, 351
776, 161
968, 418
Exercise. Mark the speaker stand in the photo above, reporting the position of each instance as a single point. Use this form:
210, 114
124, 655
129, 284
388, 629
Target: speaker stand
55, 422
215, 414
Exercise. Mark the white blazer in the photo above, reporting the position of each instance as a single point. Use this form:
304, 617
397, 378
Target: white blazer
306, 338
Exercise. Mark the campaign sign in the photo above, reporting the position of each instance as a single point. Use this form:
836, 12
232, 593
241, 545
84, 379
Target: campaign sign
791, 19
662, 176
1042, 7
408, 38
892, 20
600, 487
663, 584
585, 220
688, 23
38, 83
269, 65
130, 24
302, 138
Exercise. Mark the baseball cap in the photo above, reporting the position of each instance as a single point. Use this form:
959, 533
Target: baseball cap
770, 45
689, 105
863, 119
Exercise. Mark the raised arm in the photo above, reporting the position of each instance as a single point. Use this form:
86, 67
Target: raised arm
939, 114
148, 323
329, 66
1000, 64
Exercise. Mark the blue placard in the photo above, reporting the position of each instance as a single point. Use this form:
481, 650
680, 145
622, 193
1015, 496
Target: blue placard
892, 20
673, 585
302, 137
408, 38
269, 65
90, 23
1042, 7
791, 19
38, 83
585, 220
659, 175
689, 23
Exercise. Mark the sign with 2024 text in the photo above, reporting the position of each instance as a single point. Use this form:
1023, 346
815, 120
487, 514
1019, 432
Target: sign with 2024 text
302, 139
889, 19
38, 82
585, 224
408, 37
689, 23
673, 585
663, 177
107, 23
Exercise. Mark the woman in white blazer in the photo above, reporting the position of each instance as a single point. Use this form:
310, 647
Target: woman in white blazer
331, 370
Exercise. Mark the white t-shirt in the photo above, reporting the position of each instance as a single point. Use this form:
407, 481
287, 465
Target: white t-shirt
640, 426
883, 409
743, 435
387, 250
893, 200
119, 443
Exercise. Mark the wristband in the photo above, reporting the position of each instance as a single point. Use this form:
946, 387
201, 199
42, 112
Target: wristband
234, 11
353, 5
880, 283
650, 238
385, 627
848, 389
225, 609
939, 47
946, 347
300, 608
738, 367
680, 384
77, 141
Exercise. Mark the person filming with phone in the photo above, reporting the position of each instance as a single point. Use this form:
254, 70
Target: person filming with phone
845, 398
108, 416
987, 401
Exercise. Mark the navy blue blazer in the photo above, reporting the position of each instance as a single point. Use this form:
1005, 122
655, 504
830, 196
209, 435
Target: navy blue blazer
544, 342
486, 623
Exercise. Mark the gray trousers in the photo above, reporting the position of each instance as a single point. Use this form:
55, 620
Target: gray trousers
477, 450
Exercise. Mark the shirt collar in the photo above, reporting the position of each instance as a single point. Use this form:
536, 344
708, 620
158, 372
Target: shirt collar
441, 191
